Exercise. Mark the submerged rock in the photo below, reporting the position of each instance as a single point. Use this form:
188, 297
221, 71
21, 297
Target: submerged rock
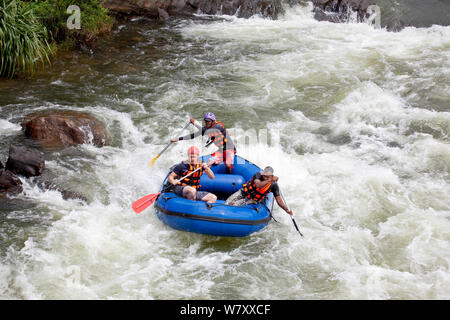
340, 10
57, 129
240, 8
28, 162
10, 184
66, 194
25, 162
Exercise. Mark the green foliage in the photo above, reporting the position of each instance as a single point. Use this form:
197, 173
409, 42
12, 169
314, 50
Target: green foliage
28, 26
94, 19
23, 39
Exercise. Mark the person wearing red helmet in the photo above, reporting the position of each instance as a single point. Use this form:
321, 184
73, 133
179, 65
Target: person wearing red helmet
218, 135
187, 187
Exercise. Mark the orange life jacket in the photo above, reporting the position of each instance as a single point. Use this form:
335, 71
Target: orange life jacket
216, 136
194, 179
250, 190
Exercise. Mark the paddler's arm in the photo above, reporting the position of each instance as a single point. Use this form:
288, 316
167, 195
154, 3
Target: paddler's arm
261, 183
208, 170
276, 193
283, 205
172, 179
192, 120
190, 136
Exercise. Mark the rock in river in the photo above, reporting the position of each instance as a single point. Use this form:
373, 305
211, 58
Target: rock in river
56, 129
10, 184
339, 10
25, 162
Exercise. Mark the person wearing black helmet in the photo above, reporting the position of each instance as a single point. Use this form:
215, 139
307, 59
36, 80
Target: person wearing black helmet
256, 190
218, 135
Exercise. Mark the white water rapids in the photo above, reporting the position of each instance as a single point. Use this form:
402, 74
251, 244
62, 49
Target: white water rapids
361, 118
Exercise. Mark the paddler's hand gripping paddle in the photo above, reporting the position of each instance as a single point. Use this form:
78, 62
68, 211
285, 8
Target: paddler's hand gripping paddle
145, 202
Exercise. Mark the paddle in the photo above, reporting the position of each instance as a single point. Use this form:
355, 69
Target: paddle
292, 217
208, 143
156, 158
146, 201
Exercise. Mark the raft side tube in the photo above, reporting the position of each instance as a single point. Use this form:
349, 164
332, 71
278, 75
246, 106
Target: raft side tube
216, 219
222, 183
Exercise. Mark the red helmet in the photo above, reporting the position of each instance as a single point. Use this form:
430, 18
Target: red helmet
193, 150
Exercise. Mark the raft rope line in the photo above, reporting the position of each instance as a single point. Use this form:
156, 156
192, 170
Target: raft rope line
212, 219
210, 206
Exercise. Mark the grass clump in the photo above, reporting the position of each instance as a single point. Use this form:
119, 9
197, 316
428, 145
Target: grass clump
23, 39
95, 20
29, 30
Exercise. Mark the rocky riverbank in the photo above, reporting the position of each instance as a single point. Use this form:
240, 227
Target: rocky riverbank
165, 8
394, 15
340, 10
324, 10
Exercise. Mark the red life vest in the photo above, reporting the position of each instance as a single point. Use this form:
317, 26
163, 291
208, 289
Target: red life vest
194, 179
216, 136
250, 190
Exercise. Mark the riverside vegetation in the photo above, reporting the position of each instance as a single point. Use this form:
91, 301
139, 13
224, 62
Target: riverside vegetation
32, 31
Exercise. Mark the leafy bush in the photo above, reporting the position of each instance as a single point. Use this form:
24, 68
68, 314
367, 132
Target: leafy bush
94, 19
23, 39
28, 27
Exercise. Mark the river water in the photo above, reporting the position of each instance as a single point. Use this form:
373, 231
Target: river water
354, 120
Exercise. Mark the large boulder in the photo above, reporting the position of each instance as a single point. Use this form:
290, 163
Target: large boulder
164, 8
56, 129
25, 162
66, 194
10, 184
339, 10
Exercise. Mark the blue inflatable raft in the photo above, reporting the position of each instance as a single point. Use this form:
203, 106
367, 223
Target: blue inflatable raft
216, 219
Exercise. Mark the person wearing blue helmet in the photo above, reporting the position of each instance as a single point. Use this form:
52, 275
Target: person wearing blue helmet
217, 133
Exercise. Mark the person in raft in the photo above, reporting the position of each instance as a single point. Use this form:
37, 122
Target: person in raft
187, 187
218, 135
256, 190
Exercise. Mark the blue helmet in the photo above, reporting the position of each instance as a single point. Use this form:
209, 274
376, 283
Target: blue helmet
209, 116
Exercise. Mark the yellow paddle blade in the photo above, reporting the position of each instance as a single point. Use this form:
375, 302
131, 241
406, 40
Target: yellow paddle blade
153, 161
